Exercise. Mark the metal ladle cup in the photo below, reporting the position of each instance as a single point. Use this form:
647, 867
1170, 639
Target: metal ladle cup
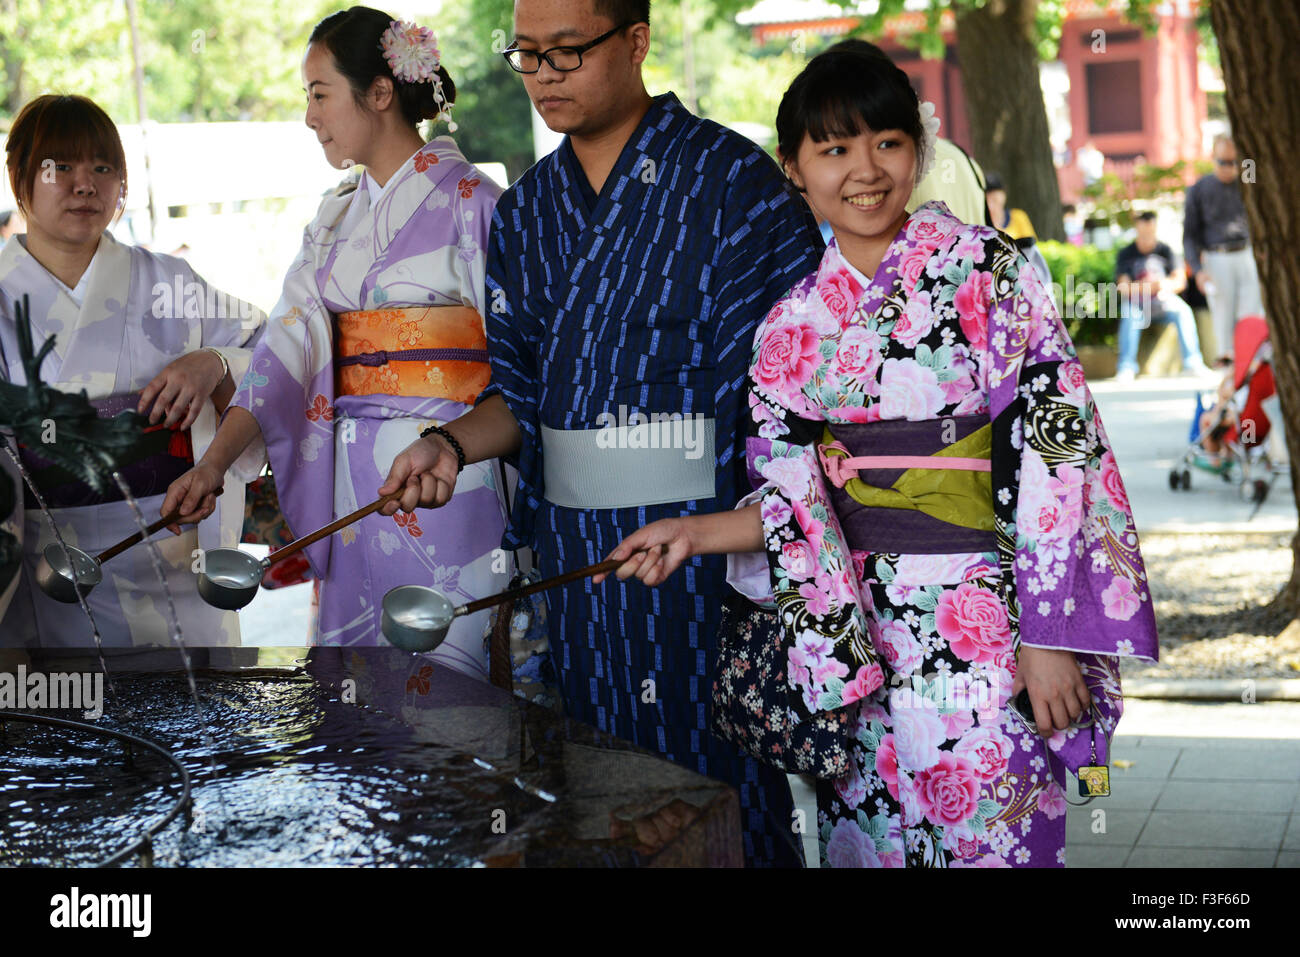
57, 579
231, 578
417, 618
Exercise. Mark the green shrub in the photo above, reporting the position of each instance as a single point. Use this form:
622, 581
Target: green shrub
1083, 278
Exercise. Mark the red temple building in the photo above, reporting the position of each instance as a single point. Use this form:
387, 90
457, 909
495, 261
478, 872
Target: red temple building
1133, 95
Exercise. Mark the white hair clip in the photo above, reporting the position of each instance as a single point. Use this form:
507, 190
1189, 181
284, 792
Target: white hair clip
929, 133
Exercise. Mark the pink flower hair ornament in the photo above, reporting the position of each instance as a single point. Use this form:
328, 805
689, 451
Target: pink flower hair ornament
412, 54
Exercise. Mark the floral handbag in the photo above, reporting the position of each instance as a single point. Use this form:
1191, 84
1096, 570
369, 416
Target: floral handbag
751, 699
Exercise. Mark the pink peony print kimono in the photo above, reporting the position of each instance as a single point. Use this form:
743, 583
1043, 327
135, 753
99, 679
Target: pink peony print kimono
910, 609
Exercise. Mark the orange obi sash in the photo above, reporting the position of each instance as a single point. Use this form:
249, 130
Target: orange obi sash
430, 351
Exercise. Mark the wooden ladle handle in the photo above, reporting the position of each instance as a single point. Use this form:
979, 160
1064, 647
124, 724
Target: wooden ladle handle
138, 537
510, 594
334, 526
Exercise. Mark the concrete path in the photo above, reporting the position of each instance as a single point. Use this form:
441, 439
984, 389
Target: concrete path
1209, 785
1148, 421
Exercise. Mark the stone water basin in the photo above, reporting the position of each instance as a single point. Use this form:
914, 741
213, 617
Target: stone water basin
365, 757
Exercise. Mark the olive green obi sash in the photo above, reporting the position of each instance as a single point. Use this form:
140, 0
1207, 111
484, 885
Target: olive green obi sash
912, 487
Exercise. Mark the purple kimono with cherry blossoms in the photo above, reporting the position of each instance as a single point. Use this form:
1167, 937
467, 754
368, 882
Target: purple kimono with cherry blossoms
921, 646
419, 241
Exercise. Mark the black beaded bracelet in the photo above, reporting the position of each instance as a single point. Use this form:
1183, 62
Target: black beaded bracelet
460, 453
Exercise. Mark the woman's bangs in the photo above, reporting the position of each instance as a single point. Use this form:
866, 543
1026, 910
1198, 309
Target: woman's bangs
842, 106
69, 132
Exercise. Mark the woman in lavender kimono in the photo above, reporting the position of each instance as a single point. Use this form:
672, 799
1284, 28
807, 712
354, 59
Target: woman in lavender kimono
940, 519
378, 335
136, 330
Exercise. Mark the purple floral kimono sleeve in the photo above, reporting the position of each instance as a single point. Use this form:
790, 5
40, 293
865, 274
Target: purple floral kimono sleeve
1061, 505
1067, 542
831, 659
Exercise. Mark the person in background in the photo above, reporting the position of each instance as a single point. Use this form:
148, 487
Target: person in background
956, 181
1073, 222
137, 331
1091, 162
1014, 222
1216, 242
1149, 278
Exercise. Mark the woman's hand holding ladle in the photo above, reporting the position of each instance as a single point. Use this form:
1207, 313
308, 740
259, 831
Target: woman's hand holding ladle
191, 494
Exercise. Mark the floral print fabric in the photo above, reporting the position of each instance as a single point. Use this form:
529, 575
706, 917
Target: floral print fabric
921, 648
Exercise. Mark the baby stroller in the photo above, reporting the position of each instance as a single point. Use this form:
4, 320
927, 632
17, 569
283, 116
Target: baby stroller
1231, 439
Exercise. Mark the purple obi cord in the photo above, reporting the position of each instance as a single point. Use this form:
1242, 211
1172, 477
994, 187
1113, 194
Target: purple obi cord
415, 355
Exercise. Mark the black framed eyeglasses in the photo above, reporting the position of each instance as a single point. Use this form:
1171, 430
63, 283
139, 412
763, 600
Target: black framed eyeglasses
562, 59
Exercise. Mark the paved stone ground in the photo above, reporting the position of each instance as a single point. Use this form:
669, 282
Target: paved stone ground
1210, 784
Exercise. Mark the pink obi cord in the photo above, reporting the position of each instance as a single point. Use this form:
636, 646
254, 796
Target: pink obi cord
839, 470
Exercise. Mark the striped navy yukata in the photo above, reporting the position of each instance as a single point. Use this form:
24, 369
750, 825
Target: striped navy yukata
645, 297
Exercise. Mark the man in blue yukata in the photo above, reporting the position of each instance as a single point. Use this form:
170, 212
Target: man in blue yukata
627, 273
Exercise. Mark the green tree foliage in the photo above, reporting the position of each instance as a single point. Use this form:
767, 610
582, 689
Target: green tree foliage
1049, 16
239, 59
1084, 276
492, 112
226, 59
203, 59
1116, 200
48, 45
731, 80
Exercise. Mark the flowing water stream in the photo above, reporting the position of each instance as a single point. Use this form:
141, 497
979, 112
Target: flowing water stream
175, 627
161, 573
67, 557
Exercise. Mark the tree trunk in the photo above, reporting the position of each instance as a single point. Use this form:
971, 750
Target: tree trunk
1257, 43
1004, 103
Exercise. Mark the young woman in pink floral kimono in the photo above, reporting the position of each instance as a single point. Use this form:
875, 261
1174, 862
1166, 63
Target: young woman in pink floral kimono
937, 515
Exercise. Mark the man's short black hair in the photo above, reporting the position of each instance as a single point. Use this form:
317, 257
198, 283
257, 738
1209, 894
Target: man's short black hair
1145, 216
624, 11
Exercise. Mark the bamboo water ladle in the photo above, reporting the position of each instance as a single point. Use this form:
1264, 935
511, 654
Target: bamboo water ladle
58, 580
230, 578
417, 618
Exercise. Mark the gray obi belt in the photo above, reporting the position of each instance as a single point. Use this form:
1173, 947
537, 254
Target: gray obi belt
912, 487
666, 459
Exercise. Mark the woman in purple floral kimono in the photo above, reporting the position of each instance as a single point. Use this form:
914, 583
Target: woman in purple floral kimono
937, 514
